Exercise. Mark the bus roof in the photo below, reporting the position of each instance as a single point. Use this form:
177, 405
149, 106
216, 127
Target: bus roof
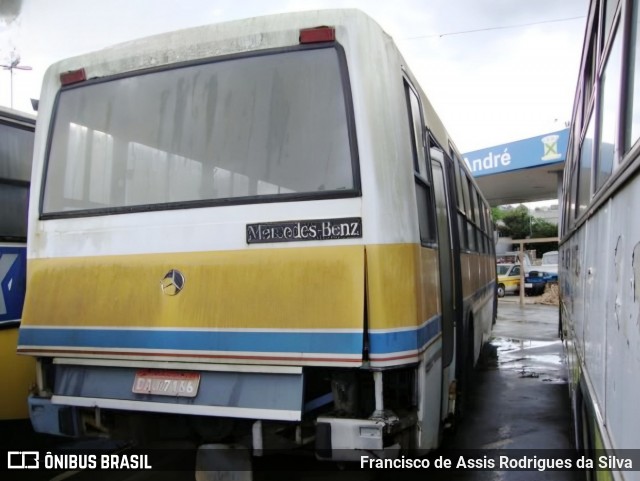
17, 115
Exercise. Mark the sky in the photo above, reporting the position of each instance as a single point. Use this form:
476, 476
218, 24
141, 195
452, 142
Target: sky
489, 84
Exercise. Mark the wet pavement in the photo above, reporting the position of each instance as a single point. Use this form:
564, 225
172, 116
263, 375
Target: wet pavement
520, 399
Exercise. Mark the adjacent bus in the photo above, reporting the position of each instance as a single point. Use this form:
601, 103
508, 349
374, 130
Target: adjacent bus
257, 230
16, 151
600, 245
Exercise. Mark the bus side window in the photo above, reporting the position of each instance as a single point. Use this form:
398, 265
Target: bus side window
482, 226
462, 216
426, 220
467, 213
469, 200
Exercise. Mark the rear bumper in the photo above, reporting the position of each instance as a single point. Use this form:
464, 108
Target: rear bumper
249, 392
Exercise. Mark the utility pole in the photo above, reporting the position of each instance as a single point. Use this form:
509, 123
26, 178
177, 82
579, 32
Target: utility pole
14, 65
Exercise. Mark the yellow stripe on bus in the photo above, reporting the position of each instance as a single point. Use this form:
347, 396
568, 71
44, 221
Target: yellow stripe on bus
288, 288
18, 374
296, 288
398, 275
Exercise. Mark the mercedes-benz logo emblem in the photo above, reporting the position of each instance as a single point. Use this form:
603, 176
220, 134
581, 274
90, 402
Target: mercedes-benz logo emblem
172, 283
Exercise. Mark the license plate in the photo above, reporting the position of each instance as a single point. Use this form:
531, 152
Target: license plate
166, 383
528, 284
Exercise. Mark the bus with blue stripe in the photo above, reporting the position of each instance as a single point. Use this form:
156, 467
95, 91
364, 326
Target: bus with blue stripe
16, 151
250, 230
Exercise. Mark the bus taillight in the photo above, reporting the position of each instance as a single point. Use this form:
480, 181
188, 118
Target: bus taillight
317, 34
73, 77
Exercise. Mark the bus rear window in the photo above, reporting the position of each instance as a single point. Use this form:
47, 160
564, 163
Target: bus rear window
262, 128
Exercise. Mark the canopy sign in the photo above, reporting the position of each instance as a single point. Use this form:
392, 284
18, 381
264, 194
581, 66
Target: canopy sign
524, 154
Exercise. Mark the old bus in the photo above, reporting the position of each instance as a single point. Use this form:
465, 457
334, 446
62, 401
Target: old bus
253, 230
600, 240
16, 152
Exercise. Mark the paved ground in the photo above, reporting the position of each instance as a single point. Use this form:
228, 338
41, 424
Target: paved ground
520, 399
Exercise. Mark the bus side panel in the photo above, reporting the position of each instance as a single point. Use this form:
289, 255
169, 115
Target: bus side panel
623, 321
486, 294
598, 256
478, 297
16, 372
568, 292
577, 283
466, 265
403, 302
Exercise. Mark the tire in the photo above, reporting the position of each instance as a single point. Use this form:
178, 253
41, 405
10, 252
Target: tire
585, 431
464, 377
501, 290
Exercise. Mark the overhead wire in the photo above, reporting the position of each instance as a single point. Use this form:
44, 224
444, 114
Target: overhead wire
502, 27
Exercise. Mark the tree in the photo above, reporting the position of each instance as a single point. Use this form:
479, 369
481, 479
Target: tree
517, 222
520, 224
497, 213
542, 228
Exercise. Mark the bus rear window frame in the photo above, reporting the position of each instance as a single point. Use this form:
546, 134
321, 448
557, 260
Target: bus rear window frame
356, 191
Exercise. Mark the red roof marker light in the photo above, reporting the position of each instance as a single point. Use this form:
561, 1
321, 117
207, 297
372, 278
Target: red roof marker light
317, 34
73, 77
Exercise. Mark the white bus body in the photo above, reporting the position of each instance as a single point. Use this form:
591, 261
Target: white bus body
600, 239
240, 223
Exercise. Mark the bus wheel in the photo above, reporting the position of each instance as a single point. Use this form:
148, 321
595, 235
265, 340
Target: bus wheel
585, 432
464, 377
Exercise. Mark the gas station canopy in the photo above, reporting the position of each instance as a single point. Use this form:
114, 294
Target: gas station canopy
523, 171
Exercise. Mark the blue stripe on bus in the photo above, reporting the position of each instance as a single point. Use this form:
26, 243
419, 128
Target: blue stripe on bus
230, 341
400, 341
225, 341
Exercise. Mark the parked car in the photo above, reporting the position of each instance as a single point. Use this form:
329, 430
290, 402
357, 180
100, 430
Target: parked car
508, 278
536, 281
